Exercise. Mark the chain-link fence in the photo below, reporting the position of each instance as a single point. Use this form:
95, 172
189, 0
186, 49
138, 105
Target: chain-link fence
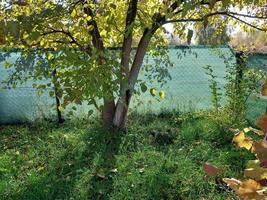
187, 90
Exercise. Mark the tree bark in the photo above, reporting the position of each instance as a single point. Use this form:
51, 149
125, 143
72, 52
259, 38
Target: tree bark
108, 110
125, 98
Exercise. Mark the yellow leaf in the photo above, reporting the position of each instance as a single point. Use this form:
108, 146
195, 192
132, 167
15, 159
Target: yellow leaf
73, 13
25, 35
90, 28
103, 33
42, 42
77, 35
234, 184
258, 132
88, 18
246, 130
50, 56
242, 141
40, 92
162, 94
60, 108
257, 173
249, 190
153, 92
27, 11
253, 164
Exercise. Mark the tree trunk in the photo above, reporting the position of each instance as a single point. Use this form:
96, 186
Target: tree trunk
125, 97
122, 107
108, 112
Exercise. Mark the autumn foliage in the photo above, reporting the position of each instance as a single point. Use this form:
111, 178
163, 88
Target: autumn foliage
254, 184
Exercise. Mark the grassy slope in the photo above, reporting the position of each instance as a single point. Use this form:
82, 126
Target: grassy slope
82, 161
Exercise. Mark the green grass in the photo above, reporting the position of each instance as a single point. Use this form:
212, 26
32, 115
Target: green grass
80, 160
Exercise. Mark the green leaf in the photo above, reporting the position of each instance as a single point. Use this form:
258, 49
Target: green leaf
7, 65
113, 6
90, 112
74, 108
51, 93
40, 92
143, 87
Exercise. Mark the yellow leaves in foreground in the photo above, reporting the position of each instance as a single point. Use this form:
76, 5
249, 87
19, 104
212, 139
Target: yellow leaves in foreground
247, 190
255, 171
243, 141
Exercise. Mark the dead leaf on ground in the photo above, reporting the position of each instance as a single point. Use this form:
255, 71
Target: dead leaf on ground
211, 170
262, 122
260, 149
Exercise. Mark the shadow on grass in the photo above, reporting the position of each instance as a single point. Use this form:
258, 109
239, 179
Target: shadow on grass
75, 174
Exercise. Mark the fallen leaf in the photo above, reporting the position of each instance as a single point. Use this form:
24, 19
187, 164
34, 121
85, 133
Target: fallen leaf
264, 164
258, 132
234, 130
257, 173
101, 176
210, 169
242, 141
114, 170
233, 183
249, 190
260, 149
262, 122
263, 182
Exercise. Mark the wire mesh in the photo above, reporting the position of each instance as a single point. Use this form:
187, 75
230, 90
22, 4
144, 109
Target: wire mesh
187, 89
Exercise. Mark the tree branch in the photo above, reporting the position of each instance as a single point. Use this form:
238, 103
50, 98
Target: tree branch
229, 14
87, 49
128, 37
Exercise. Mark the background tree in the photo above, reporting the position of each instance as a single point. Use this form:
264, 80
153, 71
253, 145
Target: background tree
76, 34
211, 36
255, 41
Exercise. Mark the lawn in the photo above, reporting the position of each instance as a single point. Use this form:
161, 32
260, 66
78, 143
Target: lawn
157, 157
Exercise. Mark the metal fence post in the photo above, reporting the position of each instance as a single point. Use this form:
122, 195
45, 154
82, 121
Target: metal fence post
240, 67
